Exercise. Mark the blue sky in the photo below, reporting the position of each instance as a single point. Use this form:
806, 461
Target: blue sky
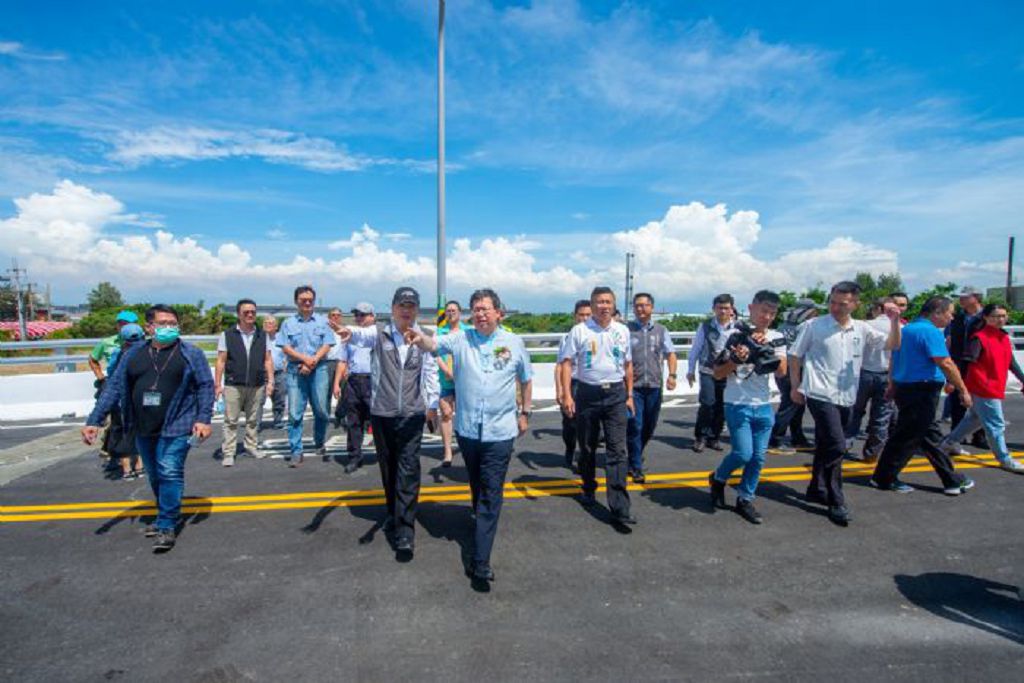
214, 150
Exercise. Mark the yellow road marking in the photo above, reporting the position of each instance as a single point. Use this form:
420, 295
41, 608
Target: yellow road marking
359, 498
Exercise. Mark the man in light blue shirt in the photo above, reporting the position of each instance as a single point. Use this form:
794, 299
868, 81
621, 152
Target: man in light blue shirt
306, 339
488, 362
279, 397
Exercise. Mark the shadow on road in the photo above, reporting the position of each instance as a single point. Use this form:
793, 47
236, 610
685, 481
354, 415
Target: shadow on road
990, 606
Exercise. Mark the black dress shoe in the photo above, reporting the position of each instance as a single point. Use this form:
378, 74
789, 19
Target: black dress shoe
353, 464
588, 500
715, 445
717, 493
403, 549
481, 572
638, 476
698, 445
626, 518
979, 441
840, 515
746, 510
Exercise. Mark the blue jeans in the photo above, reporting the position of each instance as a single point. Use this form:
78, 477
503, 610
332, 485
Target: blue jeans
647, 407
487, 465
164, 458
987, 413
750, 427
303, 389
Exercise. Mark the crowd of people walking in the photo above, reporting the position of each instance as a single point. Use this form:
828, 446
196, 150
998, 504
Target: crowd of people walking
472, 383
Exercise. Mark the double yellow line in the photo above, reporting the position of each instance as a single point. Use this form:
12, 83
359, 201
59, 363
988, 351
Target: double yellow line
428, 494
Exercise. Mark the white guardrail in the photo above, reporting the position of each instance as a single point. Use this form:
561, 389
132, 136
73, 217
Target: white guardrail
536, 344
60, 356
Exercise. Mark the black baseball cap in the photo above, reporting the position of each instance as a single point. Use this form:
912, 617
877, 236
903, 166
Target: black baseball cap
406, 295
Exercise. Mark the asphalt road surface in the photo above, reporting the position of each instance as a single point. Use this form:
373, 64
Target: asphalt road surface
284, 574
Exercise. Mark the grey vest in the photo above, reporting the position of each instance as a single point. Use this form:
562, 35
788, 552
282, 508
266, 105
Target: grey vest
714, 343
648, 357
397, 389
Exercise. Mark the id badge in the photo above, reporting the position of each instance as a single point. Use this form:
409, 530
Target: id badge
151, 399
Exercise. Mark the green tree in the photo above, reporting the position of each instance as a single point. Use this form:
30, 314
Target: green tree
104, 295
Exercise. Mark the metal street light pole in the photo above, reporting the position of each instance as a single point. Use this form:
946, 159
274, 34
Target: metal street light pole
441, 275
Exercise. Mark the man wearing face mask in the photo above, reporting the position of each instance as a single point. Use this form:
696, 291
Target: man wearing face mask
165, 392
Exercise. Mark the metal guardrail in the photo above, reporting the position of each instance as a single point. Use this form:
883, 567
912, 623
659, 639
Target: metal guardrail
536, 344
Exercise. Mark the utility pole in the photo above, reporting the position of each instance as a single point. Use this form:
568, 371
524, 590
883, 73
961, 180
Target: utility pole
627, 303
1009, 277
14, 275
441, 275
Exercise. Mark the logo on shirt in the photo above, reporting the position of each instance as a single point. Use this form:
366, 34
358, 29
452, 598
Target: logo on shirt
502, 356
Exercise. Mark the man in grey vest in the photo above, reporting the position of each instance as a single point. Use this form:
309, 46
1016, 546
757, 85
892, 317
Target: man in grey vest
707, 346
403, 397
244, 377
652, 346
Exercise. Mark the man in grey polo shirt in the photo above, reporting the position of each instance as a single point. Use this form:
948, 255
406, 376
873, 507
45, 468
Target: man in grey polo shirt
874, 380
652, 346
707, 346
824, 369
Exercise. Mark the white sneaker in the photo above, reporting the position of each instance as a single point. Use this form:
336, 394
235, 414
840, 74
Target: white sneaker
1012, 465
228, 461
953, 449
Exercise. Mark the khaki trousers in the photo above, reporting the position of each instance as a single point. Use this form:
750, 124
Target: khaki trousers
239, 401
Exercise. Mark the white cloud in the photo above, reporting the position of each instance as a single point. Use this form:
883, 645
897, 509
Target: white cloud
692, 252
15, 49
276, 234
698, 249
170, 144
364, 235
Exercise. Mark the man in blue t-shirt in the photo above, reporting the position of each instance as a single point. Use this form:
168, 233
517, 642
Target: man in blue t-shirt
918, 371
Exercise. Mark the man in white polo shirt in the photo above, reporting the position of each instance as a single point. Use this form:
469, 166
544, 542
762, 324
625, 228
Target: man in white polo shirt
604, 368
824, 369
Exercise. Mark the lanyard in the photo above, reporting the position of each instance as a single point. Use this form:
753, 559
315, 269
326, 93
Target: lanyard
159, 371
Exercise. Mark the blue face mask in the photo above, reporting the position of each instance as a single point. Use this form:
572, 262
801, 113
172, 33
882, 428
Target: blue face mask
166, 335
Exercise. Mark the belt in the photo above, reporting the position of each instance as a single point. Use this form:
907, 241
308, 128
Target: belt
603, 386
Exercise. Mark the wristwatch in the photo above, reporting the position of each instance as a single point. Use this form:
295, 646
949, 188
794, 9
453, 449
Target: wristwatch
526, 413
672, 375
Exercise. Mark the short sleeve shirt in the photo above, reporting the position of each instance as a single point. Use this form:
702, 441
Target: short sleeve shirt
832, 357
442, 330
746, 387
222, 343
105, 348
912, 362
600, 353
486, 370
305, 335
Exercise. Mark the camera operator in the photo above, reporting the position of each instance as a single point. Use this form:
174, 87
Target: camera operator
752, 353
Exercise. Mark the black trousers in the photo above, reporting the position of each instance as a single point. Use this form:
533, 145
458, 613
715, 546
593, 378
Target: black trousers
829, 448
789, 415
487, 466
916, 431
398, 453
598, 408
355, 403
957, 410
711, 409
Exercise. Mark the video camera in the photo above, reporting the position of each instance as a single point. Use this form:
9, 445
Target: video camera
762, 355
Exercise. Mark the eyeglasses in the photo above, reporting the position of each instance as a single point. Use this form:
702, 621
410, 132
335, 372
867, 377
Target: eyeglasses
248, 312
360, 315
480, 309
304, 300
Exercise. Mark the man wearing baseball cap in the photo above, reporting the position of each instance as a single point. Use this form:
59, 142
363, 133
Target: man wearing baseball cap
403, 397
103, 352
966, 322
354, 401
